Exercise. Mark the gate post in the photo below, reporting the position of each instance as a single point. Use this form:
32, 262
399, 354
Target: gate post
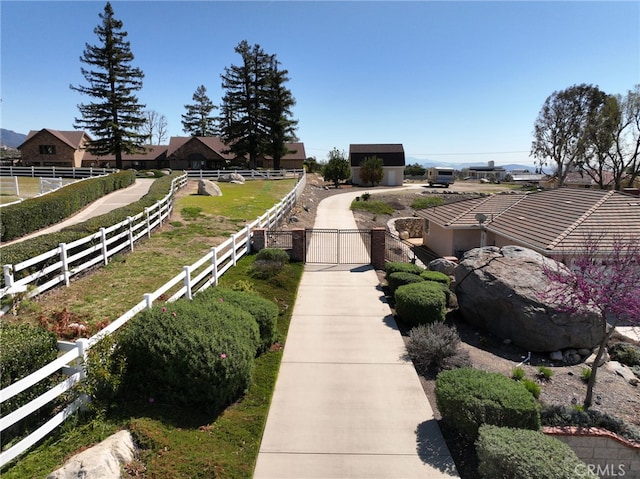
298, 244
378, 239
259, 239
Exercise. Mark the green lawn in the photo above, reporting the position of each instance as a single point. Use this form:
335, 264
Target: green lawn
177, 443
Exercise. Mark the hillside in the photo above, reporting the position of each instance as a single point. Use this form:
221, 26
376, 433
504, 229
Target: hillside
11, 138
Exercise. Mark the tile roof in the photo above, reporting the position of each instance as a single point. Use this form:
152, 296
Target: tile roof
552, 221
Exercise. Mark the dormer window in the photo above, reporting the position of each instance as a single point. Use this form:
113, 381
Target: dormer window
47, 149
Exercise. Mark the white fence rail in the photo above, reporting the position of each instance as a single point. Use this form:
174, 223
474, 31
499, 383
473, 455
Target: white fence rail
54, 171
246, 174
58, 265
200, 275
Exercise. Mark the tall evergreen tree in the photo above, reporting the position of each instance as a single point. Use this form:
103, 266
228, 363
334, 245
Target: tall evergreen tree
280, 126
197, 121
115, 117
242, 119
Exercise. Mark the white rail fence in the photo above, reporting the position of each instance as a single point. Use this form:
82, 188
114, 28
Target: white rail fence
58, 265
54, 171
246, 174
200, 275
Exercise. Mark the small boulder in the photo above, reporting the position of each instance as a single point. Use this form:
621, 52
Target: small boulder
231, 178
208, 188
103, 460
556, 356
443, 265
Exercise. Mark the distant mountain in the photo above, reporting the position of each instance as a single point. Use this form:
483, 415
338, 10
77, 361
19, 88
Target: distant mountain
11, 138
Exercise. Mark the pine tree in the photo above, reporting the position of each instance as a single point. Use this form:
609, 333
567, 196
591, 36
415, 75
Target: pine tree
280, 127
242, 123
115, 118
198, 120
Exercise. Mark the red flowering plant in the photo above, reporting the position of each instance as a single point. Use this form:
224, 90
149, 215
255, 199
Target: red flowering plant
602, 277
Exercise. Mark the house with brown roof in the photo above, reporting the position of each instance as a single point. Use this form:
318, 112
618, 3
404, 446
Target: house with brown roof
54, 148
554, 223
393, 161
67, 148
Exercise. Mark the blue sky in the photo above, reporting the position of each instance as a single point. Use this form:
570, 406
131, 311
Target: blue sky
452, 81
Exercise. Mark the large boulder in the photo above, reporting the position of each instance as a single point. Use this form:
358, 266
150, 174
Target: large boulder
502, 291
231, 178
208, 188
103, 460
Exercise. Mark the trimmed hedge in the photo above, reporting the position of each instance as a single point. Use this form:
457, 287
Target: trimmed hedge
263, 311
36, 213
190, 353
510, 453
398, 267
420, 303
30, 248
436, 276
273, 254
399, 278
468, 398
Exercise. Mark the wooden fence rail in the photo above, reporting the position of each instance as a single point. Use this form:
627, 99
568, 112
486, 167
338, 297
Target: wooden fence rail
200, 275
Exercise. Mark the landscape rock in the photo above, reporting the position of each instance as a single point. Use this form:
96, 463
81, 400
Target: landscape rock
592, 358
556, 356
231, 178
103, 460
501, 290
443, 266
208, 188
624, 371
584, 352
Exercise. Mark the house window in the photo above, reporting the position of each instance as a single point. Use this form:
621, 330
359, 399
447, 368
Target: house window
47, 149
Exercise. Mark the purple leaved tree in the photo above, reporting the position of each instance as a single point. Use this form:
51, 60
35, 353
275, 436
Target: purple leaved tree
603, 277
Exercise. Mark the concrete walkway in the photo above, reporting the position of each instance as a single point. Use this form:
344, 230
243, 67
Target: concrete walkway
347, 402
107, 203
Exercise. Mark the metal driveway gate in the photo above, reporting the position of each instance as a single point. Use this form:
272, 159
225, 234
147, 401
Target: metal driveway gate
333, 246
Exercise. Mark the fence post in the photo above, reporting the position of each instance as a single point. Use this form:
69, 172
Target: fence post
214, 263
83, 345
298, 244
65, 263
187, 281
148, 300
248, 247
378, 239
130, 221
103, 244
8, 275
233, 250
146, 210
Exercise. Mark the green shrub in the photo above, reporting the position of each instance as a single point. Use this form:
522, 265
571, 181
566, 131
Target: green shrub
517, 373
25, 349
273, 254
420, 303
532, 386
400, 279
468, 398
556, 415
585, 374
190, 353
625, 353
263, 311
545, 373
426, 202
436, 346
518, 453
436, 276
397, 267
269, 262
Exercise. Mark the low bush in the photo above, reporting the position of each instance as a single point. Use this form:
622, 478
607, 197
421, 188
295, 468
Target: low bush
436, 276
625, 353
517, 373
263, 311
435, 346
532, 386
399, 267
510, 453
399, 278
25, 349
545, 373
420, 303
269, 262
556, 415
189, 353
468, 398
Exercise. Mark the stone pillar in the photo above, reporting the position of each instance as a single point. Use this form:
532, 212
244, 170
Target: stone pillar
378, 240
299, 244
259, 239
